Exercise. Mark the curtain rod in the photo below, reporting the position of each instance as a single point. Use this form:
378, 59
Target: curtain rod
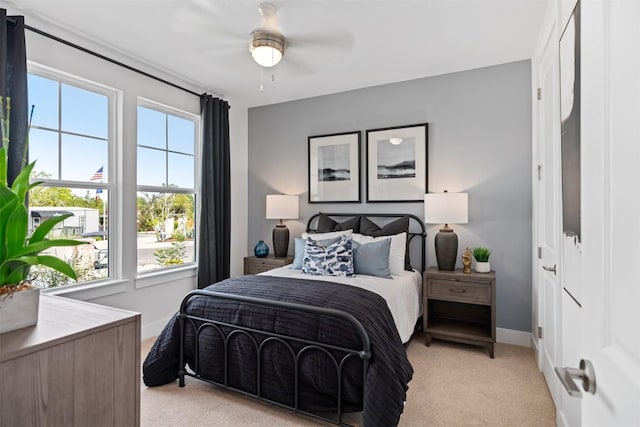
105, 58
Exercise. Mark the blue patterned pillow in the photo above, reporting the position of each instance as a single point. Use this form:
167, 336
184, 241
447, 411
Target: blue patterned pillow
333, 260
300, 246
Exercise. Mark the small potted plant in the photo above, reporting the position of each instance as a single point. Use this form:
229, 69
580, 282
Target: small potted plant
481, 255
19, 249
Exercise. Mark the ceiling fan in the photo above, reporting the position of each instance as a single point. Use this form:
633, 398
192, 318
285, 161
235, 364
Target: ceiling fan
267, 43
313, 39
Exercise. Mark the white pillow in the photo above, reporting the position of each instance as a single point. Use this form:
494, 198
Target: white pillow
323, 236
396, 250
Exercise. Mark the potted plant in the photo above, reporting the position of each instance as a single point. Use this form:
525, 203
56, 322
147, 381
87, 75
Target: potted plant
19, 251
481, 255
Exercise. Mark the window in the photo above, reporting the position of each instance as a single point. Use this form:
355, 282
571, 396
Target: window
71, 141
166, 187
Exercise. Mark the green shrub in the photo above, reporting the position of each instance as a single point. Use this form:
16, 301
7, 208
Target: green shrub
173, 255
481, 254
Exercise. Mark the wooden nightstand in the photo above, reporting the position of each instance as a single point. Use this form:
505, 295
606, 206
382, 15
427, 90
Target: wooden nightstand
460, 307
255, 265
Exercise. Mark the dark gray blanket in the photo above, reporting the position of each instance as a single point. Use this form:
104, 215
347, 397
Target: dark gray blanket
389, 371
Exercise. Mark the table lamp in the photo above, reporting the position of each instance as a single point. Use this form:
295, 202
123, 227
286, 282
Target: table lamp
281, 206
446, 208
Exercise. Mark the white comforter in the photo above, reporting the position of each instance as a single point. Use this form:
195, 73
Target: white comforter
403, 293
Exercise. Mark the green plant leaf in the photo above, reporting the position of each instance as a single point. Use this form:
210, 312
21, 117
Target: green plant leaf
16, 231
36, 248
6, 194
3, 162
57, 264
18, 273
34, 184
21, 183
45, 227
481, 254
5, 214
11, 267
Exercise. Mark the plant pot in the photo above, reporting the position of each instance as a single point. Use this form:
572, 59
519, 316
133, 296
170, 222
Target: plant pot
482, 267
19, 310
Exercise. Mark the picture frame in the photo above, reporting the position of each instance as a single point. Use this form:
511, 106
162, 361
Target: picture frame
397, 163
334, 168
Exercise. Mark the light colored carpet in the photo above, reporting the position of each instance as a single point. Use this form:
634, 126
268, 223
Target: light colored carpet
452, 385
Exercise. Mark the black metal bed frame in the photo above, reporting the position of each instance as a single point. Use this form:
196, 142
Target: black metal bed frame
421, 233
361, 351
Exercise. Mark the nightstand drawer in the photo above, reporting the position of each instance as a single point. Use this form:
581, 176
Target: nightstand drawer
255, 265
459, 290
259, 267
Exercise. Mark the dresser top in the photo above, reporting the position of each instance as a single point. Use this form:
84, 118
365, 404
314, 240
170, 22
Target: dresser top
61, 320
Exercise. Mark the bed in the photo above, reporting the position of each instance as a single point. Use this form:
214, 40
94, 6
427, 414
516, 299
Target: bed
319, 345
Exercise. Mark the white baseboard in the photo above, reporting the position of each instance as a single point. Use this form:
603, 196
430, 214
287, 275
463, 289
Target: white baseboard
152, 329
534, 344
510, 336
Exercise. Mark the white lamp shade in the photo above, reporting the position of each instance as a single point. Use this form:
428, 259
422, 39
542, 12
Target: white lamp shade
446, 208
282, 206
266, 56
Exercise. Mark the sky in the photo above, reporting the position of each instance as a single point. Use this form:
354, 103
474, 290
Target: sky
389, 154
168, 155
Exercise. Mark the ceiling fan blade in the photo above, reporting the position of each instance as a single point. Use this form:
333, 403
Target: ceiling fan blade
216, 19
321, 47
292, 66
190, 22
342, 40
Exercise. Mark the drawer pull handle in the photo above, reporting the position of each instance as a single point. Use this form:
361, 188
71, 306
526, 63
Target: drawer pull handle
458, 291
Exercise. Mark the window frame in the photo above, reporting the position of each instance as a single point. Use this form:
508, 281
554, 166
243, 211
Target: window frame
113, 187
150, 277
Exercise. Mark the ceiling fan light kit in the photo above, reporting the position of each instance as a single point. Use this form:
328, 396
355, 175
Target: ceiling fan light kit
267, 47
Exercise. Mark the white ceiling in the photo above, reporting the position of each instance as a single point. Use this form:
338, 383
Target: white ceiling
332, 45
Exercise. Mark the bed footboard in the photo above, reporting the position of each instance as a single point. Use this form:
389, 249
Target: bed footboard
298, 347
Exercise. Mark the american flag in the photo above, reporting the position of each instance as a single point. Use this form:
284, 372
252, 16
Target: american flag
98, 175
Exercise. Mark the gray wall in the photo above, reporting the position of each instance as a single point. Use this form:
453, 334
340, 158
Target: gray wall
479, 142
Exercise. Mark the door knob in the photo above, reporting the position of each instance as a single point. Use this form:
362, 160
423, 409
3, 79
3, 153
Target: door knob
552, 269
586, 373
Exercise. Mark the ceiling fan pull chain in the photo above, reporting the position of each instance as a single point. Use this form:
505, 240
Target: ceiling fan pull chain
261, 87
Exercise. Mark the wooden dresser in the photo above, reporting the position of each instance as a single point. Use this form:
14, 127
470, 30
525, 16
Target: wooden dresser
79, 366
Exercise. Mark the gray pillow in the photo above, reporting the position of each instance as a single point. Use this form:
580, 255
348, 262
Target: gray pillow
300, 244
400, 225
326, 224
372, 258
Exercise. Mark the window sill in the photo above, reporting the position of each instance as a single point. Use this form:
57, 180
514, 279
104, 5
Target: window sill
90, 291
166, 275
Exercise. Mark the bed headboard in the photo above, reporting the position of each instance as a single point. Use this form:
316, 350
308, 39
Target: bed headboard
416, 237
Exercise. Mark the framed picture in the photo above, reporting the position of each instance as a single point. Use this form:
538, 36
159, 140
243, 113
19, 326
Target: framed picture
397, 164
334, 168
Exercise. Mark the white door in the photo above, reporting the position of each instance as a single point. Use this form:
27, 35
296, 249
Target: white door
609, 329
548, 213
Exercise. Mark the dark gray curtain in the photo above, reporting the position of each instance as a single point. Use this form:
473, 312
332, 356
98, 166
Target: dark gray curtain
215, 220
13, 84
